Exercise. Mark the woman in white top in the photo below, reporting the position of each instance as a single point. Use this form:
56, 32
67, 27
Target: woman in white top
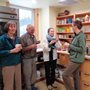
50, 58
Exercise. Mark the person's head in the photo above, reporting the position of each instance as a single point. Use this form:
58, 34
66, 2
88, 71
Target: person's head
77, 25
51, 31
30, 29
10, 27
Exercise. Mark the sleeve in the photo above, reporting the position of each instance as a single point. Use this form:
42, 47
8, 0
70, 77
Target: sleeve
23, 42
81, 47
35, 39
45, 46
58, 44
2, 51
18, 40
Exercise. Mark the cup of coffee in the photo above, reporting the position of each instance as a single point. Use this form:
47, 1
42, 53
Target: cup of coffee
18, 46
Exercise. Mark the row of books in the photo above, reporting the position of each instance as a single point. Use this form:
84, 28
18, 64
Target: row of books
65, 21
64, 29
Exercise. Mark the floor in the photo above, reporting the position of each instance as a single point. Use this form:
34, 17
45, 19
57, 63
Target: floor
42, 86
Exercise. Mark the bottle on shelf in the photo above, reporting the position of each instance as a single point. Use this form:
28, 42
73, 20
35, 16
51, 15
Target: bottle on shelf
86, 18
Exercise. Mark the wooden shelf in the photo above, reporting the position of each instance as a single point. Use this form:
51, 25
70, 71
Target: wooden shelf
66, 16
65, 39
64, 19
87, 39
65, 33
87, 32
65, 25
86, 23
62, 25
70, 33
82, 14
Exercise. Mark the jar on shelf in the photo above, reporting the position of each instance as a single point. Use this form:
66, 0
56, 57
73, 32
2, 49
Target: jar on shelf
86, 18
67, 29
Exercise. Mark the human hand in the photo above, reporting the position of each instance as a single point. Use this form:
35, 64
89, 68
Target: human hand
66, 45
15, 50
33, 46
38, 42
52, 42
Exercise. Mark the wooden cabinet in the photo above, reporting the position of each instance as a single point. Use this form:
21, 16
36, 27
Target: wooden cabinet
63, 59
65, 20
64, 25
85, 76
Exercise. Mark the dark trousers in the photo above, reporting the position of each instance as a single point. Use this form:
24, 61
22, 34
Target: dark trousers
50, 71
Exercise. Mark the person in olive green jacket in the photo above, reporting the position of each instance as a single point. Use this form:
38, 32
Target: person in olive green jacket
77, 55
10, 58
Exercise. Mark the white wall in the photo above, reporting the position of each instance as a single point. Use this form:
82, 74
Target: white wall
79, 8
44, 22
53, 14
47, 18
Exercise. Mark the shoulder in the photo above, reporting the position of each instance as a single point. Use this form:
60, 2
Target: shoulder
82, 35
17, 38
2, 37
48, 37
35, 37
24, 35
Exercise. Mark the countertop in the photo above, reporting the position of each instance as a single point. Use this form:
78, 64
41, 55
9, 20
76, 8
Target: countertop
65, 52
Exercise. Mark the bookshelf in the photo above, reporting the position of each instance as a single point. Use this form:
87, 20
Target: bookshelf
64, 25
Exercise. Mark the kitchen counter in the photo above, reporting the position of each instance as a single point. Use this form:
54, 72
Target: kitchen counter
87, 57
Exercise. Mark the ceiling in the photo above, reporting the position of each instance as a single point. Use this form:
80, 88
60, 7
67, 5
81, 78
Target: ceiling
45, 3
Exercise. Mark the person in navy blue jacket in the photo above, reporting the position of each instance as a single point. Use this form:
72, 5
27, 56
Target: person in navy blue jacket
10, 57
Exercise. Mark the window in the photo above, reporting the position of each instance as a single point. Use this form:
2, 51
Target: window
25, 18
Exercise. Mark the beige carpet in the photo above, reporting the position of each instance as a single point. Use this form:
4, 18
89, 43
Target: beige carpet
42, 86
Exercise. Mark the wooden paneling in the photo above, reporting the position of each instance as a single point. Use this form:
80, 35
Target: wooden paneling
36, 22
63, 59
85, 76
